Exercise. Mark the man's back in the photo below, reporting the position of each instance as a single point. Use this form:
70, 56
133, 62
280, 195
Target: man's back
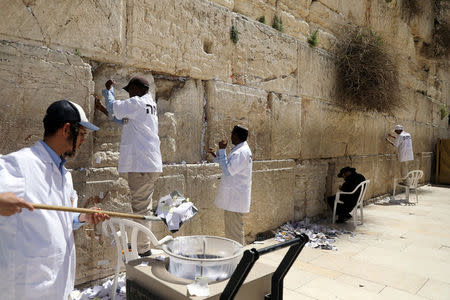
403, 143
140, 144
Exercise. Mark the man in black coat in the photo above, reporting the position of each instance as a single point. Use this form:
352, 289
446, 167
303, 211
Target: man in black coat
351, 181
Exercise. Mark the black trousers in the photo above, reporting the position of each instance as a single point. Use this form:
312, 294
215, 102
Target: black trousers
342, 209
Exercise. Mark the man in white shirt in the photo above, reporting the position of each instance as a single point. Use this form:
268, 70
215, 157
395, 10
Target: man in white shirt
234, 193
140, 154
403, 143
37, 250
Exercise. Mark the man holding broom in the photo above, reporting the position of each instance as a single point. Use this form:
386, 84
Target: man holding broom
37, 251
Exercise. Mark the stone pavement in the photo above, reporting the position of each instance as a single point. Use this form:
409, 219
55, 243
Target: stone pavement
400, 252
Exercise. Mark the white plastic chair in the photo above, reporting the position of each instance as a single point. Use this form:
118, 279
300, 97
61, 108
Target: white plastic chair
412, 178
359, 204
121, 240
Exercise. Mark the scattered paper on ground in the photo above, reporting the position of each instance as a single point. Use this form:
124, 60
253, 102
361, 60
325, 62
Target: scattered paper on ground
320, 235
102, 292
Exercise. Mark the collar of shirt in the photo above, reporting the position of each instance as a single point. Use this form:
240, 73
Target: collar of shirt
238, 146
58, 160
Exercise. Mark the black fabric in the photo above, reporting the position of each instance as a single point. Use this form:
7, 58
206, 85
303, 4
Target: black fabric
351, 182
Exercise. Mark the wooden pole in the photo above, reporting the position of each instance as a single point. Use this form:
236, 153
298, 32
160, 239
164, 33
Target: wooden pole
92, 211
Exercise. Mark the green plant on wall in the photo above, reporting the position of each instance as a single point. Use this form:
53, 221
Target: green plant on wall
77, 52
444, 112
234, 34
277, 23
313, 39
262, 20
367, 76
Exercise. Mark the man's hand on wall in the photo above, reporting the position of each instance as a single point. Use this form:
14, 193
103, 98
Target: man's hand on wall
223, 144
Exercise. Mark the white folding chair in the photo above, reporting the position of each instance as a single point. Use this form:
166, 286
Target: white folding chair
359, 204
124, 254
412, 182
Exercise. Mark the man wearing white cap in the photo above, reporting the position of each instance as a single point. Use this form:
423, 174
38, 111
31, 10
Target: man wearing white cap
234, 195
37, 251
403, 142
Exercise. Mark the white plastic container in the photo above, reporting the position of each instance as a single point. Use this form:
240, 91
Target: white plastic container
203, 256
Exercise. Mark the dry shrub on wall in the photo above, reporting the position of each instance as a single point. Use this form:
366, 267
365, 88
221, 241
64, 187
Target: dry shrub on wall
367, 77
410, 8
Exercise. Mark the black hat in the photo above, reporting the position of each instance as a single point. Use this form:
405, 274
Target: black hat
137, 81
66, 111
241, 131
344, 170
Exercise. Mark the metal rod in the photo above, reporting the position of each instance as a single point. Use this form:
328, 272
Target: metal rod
285, 265
240, 274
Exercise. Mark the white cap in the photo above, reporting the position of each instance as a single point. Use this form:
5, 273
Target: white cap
398, 127
83, 119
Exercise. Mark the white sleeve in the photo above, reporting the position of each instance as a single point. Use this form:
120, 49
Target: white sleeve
236, 163
11, 178
125, 108
398, 141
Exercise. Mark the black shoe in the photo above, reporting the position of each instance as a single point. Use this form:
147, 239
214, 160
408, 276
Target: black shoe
343, 219
146, 253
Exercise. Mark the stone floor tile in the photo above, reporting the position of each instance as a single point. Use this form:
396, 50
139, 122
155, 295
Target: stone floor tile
361, 283
395, 294
325, 288
293, 295
435, 290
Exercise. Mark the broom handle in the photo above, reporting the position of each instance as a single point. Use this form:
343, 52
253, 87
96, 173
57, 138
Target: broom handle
93, 211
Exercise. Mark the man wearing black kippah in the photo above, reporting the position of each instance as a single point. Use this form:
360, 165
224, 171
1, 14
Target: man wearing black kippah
236, 183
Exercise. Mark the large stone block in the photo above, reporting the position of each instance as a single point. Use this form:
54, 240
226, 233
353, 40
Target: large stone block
329, 19
186, 38
286, 126
310, 188
353, 10
184, 127
33, 78
228, 105
264, 58
95, 28
272, 197
316, 73
292, 14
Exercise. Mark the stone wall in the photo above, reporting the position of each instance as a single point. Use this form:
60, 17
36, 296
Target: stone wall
271, 81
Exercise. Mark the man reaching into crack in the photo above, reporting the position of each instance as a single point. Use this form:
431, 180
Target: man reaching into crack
140, 154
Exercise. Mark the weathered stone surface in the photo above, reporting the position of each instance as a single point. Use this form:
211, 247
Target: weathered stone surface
353, 10
286, 115
264, 58
95, 28
229, 105
272, 197
327, 18
292, 13
385, 20
185, 124
227, 3
316, 73
186, 38
310, 188
34, 77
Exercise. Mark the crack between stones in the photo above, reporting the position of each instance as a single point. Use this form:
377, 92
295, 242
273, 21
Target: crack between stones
44, 35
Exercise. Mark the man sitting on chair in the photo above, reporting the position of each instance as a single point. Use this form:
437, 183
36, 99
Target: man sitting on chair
351, 181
